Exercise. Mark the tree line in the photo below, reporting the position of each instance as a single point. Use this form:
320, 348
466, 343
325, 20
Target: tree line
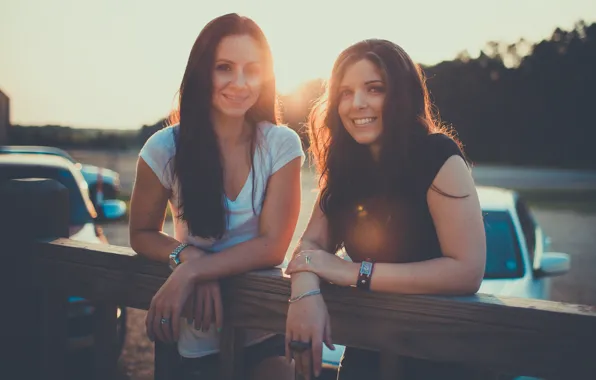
514, 104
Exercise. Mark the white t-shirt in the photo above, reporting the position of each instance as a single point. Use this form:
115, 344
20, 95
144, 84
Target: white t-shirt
277, 145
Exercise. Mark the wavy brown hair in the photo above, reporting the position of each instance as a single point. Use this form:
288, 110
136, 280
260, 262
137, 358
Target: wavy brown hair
348, 173
198, 165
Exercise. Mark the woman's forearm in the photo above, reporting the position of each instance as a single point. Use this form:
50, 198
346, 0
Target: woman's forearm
154, 245
443, 275
304, 281
258, 253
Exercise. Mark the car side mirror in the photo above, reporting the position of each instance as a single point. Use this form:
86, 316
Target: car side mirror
113, 209
553, 264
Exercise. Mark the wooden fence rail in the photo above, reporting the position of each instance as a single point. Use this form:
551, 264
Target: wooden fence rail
521, 336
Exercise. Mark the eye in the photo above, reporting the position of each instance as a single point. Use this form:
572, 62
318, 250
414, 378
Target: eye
377, 89
223, 67
345, 92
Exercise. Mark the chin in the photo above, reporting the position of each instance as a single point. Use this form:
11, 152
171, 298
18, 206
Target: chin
366, 140
235, 113
232, 112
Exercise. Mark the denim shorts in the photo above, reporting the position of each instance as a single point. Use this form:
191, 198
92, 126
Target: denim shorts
207, 367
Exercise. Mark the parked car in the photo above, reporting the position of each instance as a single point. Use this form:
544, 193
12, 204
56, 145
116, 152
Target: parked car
519, 262
96, 177
82, 228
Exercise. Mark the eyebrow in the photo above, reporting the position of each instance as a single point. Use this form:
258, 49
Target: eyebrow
365, 83
224, 60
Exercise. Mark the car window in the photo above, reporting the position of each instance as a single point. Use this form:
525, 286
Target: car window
503, 256
80, 213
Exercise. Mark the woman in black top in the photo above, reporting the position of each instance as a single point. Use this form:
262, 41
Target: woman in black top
395, 192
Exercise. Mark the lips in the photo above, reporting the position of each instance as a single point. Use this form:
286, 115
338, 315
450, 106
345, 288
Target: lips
235, 98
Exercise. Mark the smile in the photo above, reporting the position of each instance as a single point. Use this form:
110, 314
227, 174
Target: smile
364, 121
237, 99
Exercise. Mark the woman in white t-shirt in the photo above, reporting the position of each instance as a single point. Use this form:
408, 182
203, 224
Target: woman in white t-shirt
231, 177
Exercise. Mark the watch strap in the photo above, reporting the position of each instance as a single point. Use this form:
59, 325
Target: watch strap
175, 255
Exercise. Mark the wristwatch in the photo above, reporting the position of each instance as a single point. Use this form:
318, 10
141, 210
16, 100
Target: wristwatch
365, 273
175, 255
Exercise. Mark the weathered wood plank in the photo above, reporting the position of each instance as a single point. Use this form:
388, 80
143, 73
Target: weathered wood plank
106, 341
33, 321
54, 345
166, 361
231, 365
516, 335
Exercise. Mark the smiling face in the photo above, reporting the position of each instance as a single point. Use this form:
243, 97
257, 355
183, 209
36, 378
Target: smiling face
361, 96
237, 76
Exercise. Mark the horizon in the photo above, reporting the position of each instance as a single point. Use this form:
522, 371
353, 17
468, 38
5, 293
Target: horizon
79, 44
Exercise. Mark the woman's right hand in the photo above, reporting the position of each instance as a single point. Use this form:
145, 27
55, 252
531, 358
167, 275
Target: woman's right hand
308, 321
207, 306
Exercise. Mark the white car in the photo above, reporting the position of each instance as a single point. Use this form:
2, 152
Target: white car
518, 264
95, 176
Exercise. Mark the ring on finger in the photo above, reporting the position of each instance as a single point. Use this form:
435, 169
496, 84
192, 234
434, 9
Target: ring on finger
299, 346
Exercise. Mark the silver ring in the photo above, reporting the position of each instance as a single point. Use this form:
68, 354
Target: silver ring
164, 321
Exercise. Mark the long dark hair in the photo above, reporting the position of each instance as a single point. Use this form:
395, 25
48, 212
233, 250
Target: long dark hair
347, 170
198, 165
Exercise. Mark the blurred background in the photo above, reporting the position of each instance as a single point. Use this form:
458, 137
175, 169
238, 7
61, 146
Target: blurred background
515, 79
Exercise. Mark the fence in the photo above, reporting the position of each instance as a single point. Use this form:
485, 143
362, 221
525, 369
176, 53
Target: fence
42, 267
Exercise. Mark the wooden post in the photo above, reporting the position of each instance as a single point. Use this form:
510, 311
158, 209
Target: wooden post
30, 209
105, 340
231, 354
166, 363
392, 366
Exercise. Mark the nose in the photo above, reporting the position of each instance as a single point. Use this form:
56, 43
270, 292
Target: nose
239, 79
360, 101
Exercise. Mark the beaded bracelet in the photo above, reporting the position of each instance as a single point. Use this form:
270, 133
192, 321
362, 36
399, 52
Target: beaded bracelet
309, 293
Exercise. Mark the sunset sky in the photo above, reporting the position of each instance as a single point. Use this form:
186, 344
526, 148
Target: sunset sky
117, 63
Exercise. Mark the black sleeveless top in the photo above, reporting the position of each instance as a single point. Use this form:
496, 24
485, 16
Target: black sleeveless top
398, 228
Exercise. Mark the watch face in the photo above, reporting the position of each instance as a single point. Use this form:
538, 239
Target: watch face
365, 268
173, 262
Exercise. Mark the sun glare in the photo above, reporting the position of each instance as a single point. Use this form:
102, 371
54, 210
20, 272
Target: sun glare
293, 70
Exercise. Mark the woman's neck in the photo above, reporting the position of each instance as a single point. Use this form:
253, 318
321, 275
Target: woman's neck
230, 130
375, 151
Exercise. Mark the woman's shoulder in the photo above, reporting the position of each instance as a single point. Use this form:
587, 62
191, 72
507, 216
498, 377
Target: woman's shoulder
165, 135
162, 140
281, 144
435, 150
276, 132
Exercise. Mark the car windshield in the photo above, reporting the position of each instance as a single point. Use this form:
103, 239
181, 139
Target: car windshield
80, 211
503, 257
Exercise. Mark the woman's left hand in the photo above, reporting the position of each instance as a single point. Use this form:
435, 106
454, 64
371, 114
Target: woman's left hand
326, 265
163, 316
